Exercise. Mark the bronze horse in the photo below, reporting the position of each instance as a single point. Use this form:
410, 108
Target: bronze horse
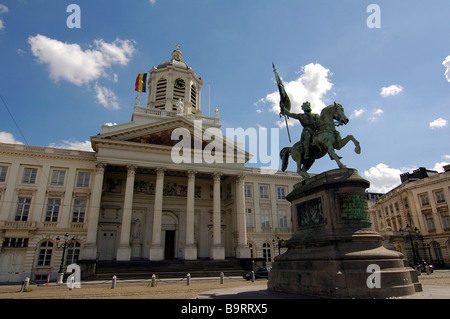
326, 140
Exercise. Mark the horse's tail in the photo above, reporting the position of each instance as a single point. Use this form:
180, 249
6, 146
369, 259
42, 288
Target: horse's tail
284, 154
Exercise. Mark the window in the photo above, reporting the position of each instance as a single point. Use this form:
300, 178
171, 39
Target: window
23, 209
445, 220
248, 217
193, 96
160, 95
73, 253
267, 252
430, 222
3, 171
58, 178
424, 200
250, 245
440, 198
281, 192
263, 191
83, 179
265, 218
45, 253
282, 218
53, 206
79, 211
15, 242
29, 176
248, 191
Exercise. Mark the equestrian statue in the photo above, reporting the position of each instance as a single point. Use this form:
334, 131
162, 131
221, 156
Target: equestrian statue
319, 136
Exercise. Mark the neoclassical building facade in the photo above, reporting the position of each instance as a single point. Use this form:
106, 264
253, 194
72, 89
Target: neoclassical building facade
414, 217
155, 188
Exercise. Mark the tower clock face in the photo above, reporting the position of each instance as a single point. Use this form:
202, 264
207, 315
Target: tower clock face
179, 83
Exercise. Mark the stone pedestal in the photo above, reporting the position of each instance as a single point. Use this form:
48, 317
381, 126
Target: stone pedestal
136, 248
217, 253
190, 252
123, 253
333, 252
156, 253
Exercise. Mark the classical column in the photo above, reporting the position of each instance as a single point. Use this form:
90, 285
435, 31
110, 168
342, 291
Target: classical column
242, 250
190, 250
124, 250
90, 248
217, 251
156, 249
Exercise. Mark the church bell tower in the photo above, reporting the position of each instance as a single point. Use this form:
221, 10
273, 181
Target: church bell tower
174, 87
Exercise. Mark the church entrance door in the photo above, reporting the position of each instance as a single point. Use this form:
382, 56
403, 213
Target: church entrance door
169, 244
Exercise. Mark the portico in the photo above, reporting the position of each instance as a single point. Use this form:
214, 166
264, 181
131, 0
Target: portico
158, 213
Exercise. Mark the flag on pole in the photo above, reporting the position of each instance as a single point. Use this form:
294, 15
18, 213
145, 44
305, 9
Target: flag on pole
140, 82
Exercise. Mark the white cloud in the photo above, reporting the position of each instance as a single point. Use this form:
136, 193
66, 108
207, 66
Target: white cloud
376, 115
391, 90
438, 123
382, 178
71, 63
440, 166
73, 145
357, 113
312, 85
152, 1
446, 63
446, 156
6, 137
106, 97
3, 9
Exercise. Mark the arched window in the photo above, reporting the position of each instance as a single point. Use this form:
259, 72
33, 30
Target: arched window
267, 254
45, 253
250, 245
437, 252
160, 94
73, 253
194, 96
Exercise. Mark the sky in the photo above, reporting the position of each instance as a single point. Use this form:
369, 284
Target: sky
67, 70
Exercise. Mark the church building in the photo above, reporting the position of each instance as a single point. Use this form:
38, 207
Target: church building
154, 188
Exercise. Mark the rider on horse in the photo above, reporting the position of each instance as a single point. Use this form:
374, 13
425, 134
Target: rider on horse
310, 123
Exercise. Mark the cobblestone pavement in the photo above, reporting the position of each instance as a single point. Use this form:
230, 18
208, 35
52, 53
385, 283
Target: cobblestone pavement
435, 286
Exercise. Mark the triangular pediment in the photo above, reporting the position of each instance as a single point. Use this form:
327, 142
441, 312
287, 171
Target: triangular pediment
170, 133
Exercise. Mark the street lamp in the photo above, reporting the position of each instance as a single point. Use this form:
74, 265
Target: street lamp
63, 243
416, 230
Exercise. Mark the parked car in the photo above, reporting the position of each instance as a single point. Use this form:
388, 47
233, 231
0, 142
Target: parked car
261, 272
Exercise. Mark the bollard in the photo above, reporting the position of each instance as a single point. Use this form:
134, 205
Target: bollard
26, 283
253, 276
221, 278
114, 282
153, 281
188, 279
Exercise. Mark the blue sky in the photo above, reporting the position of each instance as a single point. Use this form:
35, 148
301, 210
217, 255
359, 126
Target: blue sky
62, 84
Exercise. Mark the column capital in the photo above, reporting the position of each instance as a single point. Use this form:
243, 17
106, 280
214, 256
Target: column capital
131, 169
217, 176
240, 178
191, 173
160, 171
100, 167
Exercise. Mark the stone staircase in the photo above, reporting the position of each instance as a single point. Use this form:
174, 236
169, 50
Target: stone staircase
144, 269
